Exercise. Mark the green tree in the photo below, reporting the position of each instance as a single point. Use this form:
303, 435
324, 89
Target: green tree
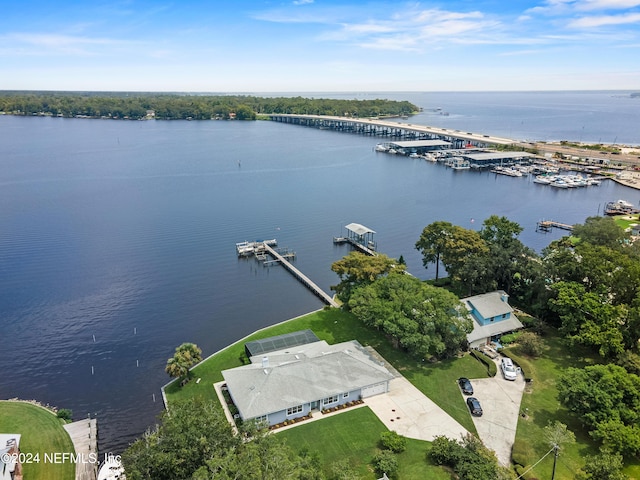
432, 243
424, 320
500, 231
393, 441
607, 399
530, 344
357, 269
587, 318
601, 231
385, 462
195, 432
604, 466
464, 251
185, 357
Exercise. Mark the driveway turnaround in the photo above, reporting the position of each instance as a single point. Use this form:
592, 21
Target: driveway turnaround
500, 400
410, 413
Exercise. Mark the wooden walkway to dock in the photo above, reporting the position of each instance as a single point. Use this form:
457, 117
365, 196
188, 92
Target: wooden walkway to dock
84, 435
548, 225
306, 281
357, 245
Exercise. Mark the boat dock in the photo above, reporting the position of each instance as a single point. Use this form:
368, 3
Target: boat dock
84, 435
548, 225
306, 281
360, 237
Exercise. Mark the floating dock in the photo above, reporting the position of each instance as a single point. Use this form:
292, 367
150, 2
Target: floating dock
548, 225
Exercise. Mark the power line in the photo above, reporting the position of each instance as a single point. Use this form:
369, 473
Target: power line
533, 466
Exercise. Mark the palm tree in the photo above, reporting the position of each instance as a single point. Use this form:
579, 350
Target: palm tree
186, 356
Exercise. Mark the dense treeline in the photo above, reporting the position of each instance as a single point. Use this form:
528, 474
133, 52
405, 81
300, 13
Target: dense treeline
197, 107
586, 286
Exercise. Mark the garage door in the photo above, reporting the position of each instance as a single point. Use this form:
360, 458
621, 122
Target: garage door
372, 390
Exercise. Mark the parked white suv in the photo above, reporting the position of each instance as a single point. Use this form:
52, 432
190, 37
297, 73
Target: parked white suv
508, 370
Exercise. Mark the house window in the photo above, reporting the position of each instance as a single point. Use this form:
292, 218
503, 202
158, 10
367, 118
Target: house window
504, 315
345, 395
261, 419
294, 410
330, 400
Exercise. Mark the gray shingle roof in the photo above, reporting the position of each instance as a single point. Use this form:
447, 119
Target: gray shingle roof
301, 375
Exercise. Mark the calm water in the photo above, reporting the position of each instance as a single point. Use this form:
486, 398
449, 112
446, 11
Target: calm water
124, 232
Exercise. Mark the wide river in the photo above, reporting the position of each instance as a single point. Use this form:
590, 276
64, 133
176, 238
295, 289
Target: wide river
117, 238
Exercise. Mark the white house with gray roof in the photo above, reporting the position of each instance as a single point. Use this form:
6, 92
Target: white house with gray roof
290, 383
492, 316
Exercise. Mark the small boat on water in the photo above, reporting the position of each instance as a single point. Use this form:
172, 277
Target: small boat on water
381, 147
459, 163
544, 179
247, 248
511, 172
620, 207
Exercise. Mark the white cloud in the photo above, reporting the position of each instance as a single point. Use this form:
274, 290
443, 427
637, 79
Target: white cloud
302, 2
606, 4
604, 20
48, 43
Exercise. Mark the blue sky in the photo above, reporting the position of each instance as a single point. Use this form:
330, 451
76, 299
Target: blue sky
320, 45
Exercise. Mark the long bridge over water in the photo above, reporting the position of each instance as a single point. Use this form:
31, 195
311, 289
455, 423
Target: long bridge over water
392, 130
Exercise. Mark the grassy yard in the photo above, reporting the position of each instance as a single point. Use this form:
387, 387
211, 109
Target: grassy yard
436, 380
541, 405
354, 435
41, 433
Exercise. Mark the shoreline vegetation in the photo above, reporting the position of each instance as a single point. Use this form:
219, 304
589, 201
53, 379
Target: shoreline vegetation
172, 106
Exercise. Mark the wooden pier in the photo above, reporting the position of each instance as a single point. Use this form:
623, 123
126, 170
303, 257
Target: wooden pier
355, 244
84, 435
360, 237
548, 225
306, 281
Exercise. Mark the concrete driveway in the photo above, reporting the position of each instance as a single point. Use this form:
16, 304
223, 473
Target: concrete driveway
500, 400
410, 413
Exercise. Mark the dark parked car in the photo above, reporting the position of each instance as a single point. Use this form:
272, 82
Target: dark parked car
465, 386
474, 406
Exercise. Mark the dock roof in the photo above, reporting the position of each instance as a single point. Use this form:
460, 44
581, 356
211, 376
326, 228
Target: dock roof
358, 229
487, 156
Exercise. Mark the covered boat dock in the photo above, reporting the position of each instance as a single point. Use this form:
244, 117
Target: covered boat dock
360, 237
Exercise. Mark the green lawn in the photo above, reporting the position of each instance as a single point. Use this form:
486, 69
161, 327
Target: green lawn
41, 432
354, 435
540, 402
436, 380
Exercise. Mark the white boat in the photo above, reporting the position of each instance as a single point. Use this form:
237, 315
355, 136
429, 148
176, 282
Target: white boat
458, 163
559, 183
247, 248
381, 147
544, 179
507, 171
111, 469
624, 204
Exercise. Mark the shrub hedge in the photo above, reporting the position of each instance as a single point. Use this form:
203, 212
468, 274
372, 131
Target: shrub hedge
492, 369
